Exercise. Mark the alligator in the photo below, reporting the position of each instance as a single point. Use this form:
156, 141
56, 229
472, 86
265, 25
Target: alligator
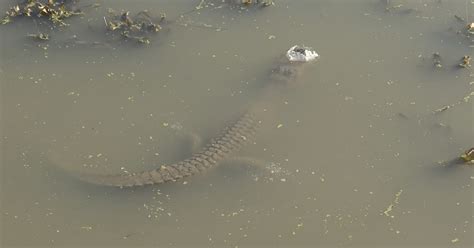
232, 139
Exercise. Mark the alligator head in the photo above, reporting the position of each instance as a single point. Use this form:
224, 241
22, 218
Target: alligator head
289, 67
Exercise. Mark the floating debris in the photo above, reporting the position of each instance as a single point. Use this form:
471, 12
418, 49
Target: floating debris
395, 202
54, 10
233, 4
388, 210
437, 60
470, 28
468, 156
467, 30
74, 41
465, 61
442, 109
398, 9
465, 99
39, 36
135, 28
262, 3
391, 8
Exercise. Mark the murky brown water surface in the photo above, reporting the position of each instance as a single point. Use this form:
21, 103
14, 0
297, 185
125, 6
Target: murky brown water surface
350, 159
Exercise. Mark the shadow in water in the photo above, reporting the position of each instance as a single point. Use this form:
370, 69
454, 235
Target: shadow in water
449, 166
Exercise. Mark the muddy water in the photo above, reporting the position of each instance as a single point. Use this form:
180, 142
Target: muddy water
350, 159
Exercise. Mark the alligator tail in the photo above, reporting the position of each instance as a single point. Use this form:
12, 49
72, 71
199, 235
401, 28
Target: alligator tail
230, 141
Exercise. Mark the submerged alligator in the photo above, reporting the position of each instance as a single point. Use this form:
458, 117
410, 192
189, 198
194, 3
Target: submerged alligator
281, 77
